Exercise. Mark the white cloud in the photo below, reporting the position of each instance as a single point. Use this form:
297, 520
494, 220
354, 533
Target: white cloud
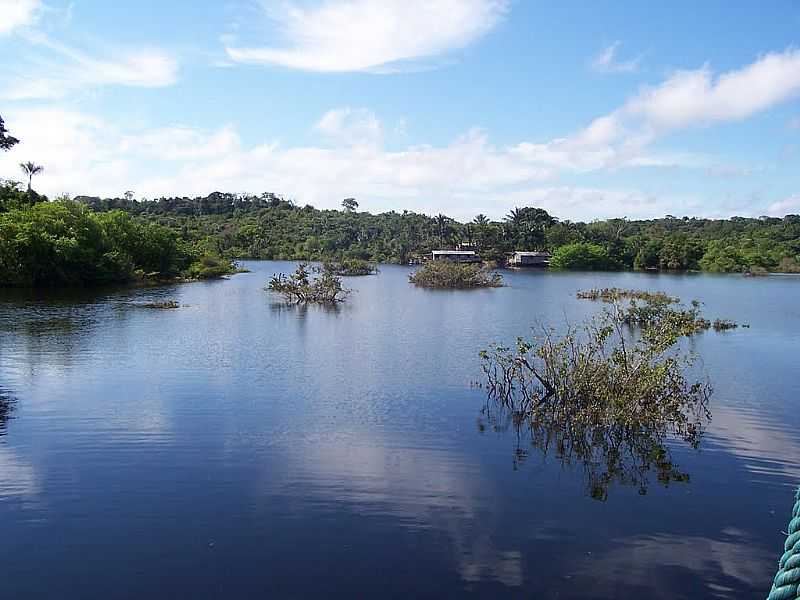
607, 61
696, 97
85, 155
790, 205
17, 13
351, 126
359, 35
685, 99
70, 70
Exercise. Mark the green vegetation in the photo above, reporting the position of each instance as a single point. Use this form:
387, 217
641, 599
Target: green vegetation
6, 139
446, 274
30, 169
351, 267
269, 227
300, 287
583, 256
603, 396
646, 309
64, 243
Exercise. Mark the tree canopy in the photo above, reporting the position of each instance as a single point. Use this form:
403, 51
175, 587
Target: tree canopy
270, 227
6, 139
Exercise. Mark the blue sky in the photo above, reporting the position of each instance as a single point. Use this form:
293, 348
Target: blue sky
590, 110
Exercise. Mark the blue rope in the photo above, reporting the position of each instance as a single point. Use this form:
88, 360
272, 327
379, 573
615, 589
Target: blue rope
787, 582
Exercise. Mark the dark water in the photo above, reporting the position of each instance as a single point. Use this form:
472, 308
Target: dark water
240, 448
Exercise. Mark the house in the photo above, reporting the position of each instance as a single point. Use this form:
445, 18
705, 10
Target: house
459, 256
529, 259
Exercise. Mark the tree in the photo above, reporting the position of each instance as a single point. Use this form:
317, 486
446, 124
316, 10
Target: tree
581, 256
30, 169
443, 224
481, 220
349, 204
6, 140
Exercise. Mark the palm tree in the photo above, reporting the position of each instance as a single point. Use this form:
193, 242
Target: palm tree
30, 169
481, 220
516, 216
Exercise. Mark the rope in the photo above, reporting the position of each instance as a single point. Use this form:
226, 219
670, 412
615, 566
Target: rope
787, 582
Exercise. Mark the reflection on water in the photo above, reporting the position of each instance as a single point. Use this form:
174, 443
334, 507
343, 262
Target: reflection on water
7, 404
605, 454
240, 447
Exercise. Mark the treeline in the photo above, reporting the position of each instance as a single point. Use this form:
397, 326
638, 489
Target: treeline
269, 227
66, 243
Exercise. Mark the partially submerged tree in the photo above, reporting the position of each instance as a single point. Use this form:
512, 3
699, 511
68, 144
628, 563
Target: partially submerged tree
446, 274
30, 169
6, 139
350, 267
303, 288
644, 309
603, 396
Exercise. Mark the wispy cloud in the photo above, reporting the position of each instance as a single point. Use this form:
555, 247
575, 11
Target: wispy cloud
18, 13
608, 62
363, 35
351, 127
686, 99
83, 154
64, 69
785, 206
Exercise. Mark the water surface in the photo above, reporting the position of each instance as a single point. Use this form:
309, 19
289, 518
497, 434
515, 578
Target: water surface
238, 447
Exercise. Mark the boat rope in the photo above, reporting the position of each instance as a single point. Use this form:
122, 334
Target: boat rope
787, 582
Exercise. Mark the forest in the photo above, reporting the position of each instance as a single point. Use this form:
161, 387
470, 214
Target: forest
62, 242
270, 227
89, 240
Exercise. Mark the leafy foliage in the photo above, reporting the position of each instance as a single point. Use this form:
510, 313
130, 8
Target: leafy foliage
645, 309
350, 267
582, 256
64, 243
601, 397
270, 227
7, 141
303, 288
446, 274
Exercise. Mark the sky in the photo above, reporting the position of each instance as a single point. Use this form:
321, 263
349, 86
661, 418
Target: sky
587, 109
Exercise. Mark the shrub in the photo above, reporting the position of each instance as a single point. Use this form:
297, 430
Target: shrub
302, 288
351, 267
445, 274
602, 397
210, 267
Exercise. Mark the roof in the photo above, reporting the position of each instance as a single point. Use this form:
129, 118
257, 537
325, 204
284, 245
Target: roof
532, 253
460, 252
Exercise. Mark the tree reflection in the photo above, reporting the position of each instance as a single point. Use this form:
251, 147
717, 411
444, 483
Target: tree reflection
7, 405
607, 454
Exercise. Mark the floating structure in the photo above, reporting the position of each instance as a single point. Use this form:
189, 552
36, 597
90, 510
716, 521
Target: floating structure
529, 259
459, 256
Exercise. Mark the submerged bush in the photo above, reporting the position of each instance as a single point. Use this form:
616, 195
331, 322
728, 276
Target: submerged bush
446, 274
301, 287
210, 267
603, 396
642, 309
164, 305
351, 267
